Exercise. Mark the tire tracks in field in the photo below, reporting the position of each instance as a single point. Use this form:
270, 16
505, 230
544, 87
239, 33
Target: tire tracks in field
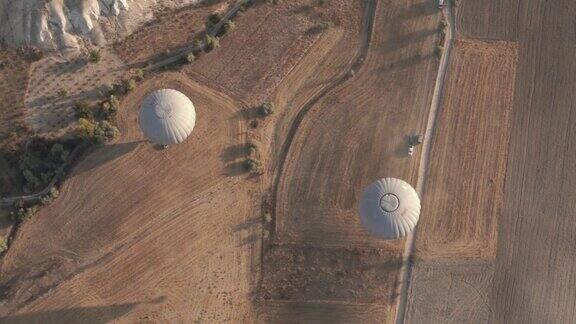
367, 29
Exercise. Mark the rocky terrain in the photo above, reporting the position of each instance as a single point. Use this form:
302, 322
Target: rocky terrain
71, 25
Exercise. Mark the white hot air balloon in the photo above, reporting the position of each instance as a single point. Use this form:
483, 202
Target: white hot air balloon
167, 117
389, 208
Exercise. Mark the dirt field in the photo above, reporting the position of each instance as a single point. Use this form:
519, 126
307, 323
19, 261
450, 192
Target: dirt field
153, 235
535, 272
465, 184
488, 19
357, 132
177, 29
322, 312
249, 53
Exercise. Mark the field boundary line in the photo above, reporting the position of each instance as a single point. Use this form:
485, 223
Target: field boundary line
406, 271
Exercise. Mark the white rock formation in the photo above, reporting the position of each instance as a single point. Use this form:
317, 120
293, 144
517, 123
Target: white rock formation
69, 25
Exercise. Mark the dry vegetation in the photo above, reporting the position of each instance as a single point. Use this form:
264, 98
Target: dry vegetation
468, 160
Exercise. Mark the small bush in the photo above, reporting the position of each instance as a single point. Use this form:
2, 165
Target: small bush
268, 217
139, 75
252, 165
266, 109
229, 26
3, 245
321, 2
62, 93
83, 110
254, 124
109, 108
189, 58
210, 43
97, 132
129, 85
23, 213
252, 148
94, 56
50, 196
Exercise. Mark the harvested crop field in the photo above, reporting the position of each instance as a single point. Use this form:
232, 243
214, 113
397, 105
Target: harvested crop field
488, 19
465, 183
140, 234
269, 40
357, 132
535, 272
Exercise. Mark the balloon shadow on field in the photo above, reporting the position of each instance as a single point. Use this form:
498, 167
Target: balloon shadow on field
105, 154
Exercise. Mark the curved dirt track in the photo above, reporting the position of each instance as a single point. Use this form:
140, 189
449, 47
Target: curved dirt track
145, 234
356, 133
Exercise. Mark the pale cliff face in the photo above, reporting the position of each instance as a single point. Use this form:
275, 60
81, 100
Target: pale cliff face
70, 25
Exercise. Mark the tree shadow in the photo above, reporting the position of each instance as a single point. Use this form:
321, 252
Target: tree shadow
235, 169
247, 224
98, 314
406, 62
425, 8
402, 41
107, 154
234, 152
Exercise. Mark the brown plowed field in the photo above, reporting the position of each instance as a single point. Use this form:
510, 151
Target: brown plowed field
535, 272
487, 19
357, 132
465, 183
322, 312
140, 234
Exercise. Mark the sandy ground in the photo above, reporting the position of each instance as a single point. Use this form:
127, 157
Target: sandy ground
170, 226
47, 113
357, 133
487, 19
465, 183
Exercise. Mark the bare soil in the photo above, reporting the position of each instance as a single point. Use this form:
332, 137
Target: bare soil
141, 234
358, 132
488, 19
463, 194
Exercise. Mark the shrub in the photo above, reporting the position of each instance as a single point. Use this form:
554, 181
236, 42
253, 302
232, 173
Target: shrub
23, 213
3, 245
97, 132
83, 110
252, 148
50, 196
94, 56
321, 2
268, 217
109, 108
189, 58
62, 93
253, 165
139, 74
266, 109
229, 26
129, 85
210, 43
